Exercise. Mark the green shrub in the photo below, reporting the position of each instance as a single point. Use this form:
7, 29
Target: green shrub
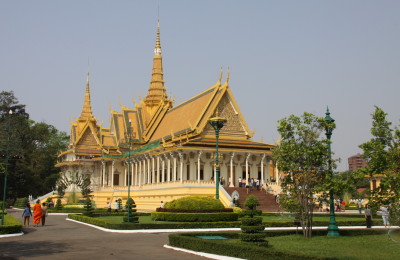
161, 225
11, 225
58, 204
194, 217
194, 202
251, 202
131, 212
20, 203
246, 221
88, 207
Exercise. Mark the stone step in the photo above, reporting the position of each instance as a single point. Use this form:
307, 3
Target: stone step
267, 200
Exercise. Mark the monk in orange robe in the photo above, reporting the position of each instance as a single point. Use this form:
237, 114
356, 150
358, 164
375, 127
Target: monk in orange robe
37, 213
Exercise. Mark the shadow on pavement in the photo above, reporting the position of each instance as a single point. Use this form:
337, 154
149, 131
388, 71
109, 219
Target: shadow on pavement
12, 250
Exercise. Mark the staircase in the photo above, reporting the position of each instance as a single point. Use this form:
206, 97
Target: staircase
267, 200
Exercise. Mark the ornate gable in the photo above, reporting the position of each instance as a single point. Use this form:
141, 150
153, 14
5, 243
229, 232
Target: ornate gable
87, 140
234, 126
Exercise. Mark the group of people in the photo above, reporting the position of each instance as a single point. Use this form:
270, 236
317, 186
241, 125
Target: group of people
251, 184
384, 211
39, 214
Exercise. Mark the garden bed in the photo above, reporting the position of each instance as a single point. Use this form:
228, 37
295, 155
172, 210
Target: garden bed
287, 245
11, 225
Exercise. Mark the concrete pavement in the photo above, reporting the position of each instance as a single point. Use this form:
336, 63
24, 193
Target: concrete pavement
61, 239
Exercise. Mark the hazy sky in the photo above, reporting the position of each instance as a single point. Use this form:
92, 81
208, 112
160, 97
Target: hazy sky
286, 57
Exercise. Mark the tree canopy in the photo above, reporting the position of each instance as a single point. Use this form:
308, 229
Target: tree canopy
32, 149
382, 153
304, 158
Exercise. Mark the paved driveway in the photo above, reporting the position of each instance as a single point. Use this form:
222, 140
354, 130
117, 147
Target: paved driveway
61, 239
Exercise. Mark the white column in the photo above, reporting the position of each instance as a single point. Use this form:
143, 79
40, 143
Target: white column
163, 169
174, 170
247, 169
262, 170
198, 166
153, 171
140, 172
232, 181
148, 171
181, 166
112, 173
158, 168
136, 173
268, 165
168, 167
103, 172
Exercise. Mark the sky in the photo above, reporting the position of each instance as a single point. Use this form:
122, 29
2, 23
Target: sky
285, 57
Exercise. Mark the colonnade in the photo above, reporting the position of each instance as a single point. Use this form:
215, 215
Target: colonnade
185, 165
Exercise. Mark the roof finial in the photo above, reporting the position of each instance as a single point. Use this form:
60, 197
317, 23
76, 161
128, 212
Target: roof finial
228, 76
157, 50
87, 107
220, 76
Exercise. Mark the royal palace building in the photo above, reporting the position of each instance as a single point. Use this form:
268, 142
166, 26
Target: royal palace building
165, 151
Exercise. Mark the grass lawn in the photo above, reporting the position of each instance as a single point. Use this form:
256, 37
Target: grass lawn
287, 217
147, 219
355, 246
345, 247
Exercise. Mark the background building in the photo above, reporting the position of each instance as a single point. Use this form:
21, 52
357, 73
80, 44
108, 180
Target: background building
356, 162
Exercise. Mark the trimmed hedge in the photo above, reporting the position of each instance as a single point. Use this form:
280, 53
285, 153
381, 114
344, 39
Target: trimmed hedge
20, 203
194, 210
165, 225
11, 225
194, 217
241, 250
195, 202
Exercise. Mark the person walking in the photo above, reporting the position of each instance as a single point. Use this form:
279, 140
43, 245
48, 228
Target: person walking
385, 216
359, 206
116, 206
27, 214
44, 213
37, 213
368, 216
108, 207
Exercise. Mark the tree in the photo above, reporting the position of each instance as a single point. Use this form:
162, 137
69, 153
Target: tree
304, 158
382, 153
32, 149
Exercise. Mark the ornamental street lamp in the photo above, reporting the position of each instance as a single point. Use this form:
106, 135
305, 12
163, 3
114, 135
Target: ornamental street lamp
217, 123
128, 137
6, 165
333, 230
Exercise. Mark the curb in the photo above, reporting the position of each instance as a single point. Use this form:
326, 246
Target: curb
207, 255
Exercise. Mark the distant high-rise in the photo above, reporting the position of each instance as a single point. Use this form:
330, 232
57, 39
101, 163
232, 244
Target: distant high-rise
356, 162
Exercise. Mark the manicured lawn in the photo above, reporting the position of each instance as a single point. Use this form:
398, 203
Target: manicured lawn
353, 246
147, 219
287, 217
345, 247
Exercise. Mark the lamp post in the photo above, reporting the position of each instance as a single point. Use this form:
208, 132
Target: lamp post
129, 139
217, 123
333, 230
6, 166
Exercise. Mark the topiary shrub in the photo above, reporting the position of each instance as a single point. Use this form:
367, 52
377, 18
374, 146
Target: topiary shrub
194, 202
88, 208
252, 226
131, 207
58, 204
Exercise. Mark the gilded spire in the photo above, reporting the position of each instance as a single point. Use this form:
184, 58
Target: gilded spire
87, 108
157, 91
